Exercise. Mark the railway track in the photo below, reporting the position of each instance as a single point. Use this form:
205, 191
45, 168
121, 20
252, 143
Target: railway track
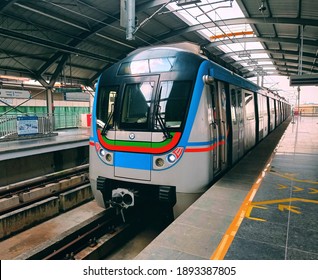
27, 203
97, 238
21, 194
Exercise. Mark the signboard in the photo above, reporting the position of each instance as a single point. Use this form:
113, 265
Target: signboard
27, 125
76, 96
13, 93
6, 101
67, 89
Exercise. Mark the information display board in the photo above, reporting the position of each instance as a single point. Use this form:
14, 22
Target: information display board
27, 125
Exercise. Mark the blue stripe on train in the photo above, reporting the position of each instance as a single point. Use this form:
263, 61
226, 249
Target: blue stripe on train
133, 160
206, 143
197, 93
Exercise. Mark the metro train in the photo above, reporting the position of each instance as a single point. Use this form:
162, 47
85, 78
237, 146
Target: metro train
167, 121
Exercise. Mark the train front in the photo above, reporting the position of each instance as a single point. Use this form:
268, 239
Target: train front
138, 123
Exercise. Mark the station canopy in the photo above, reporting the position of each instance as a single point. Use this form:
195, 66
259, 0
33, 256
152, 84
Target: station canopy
73, 41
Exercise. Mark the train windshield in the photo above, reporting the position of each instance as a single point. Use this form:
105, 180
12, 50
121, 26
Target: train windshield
136, 105
173, 103
139, 106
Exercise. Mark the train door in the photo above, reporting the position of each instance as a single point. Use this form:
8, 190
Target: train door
237, 123
269, 114
234, 125
260, 122
223, 89
218, 98
265, 115
249, 120
240, 118
279, 112
215, 127
276, 114
271, 111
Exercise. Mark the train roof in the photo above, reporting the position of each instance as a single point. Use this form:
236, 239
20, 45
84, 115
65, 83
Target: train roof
217, 71
182, 46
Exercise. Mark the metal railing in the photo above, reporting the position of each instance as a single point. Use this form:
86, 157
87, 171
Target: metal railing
8, 126
66, 121
45, 125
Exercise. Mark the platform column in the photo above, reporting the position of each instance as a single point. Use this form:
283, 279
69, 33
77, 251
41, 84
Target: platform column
49, 108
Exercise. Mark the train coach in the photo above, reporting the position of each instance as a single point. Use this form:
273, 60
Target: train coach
167, 121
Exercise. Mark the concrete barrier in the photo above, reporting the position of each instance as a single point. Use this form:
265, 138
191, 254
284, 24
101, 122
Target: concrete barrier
39, 192
6, 203
28, 216
38, 212
74, 197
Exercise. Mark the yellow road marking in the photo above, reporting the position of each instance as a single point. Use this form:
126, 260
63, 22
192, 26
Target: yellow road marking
292, 178
282, 187
283, 207
229, 235
247, 206
284, 200
249, 210
313, 191
297, 189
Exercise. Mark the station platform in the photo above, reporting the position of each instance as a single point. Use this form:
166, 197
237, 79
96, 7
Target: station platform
62, 139
29, 158
264, 208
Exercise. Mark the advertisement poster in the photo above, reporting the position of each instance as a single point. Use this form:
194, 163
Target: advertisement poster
27, 125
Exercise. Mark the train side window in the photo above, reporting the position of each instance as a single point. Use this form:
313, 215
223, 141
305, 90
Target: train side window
272, 106
262, 105
233, 106
249, 106
105, 105
240, 106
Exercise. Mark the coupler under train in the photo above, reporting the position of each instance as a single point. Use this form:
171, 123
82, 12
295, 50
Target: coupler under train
122, 194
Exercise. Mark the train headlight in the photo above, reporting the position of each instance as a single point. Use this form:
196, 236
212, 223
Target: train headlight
171, 158
109, 157
102, 152
165, 161
159, 162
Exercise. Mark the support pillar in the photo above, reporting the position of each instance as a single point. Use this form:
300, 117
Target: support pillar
298, 100
49, 108
130, 20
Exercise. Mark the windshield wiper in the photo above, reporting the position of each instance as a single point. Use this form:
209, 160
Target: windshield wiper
107, 126
159, 118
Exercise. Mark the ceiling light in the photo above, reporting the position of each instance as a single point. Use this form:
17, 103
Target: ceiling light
187, 2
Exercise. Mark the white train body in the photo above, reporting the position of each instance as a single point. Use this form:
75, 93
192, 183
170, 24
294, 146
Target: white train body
167, 121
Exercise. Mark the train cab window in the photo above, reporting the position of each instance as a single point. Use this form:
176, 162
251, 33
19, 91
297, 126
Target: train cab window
163, 64
173, 103
105, 106
136, 105
151, 65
